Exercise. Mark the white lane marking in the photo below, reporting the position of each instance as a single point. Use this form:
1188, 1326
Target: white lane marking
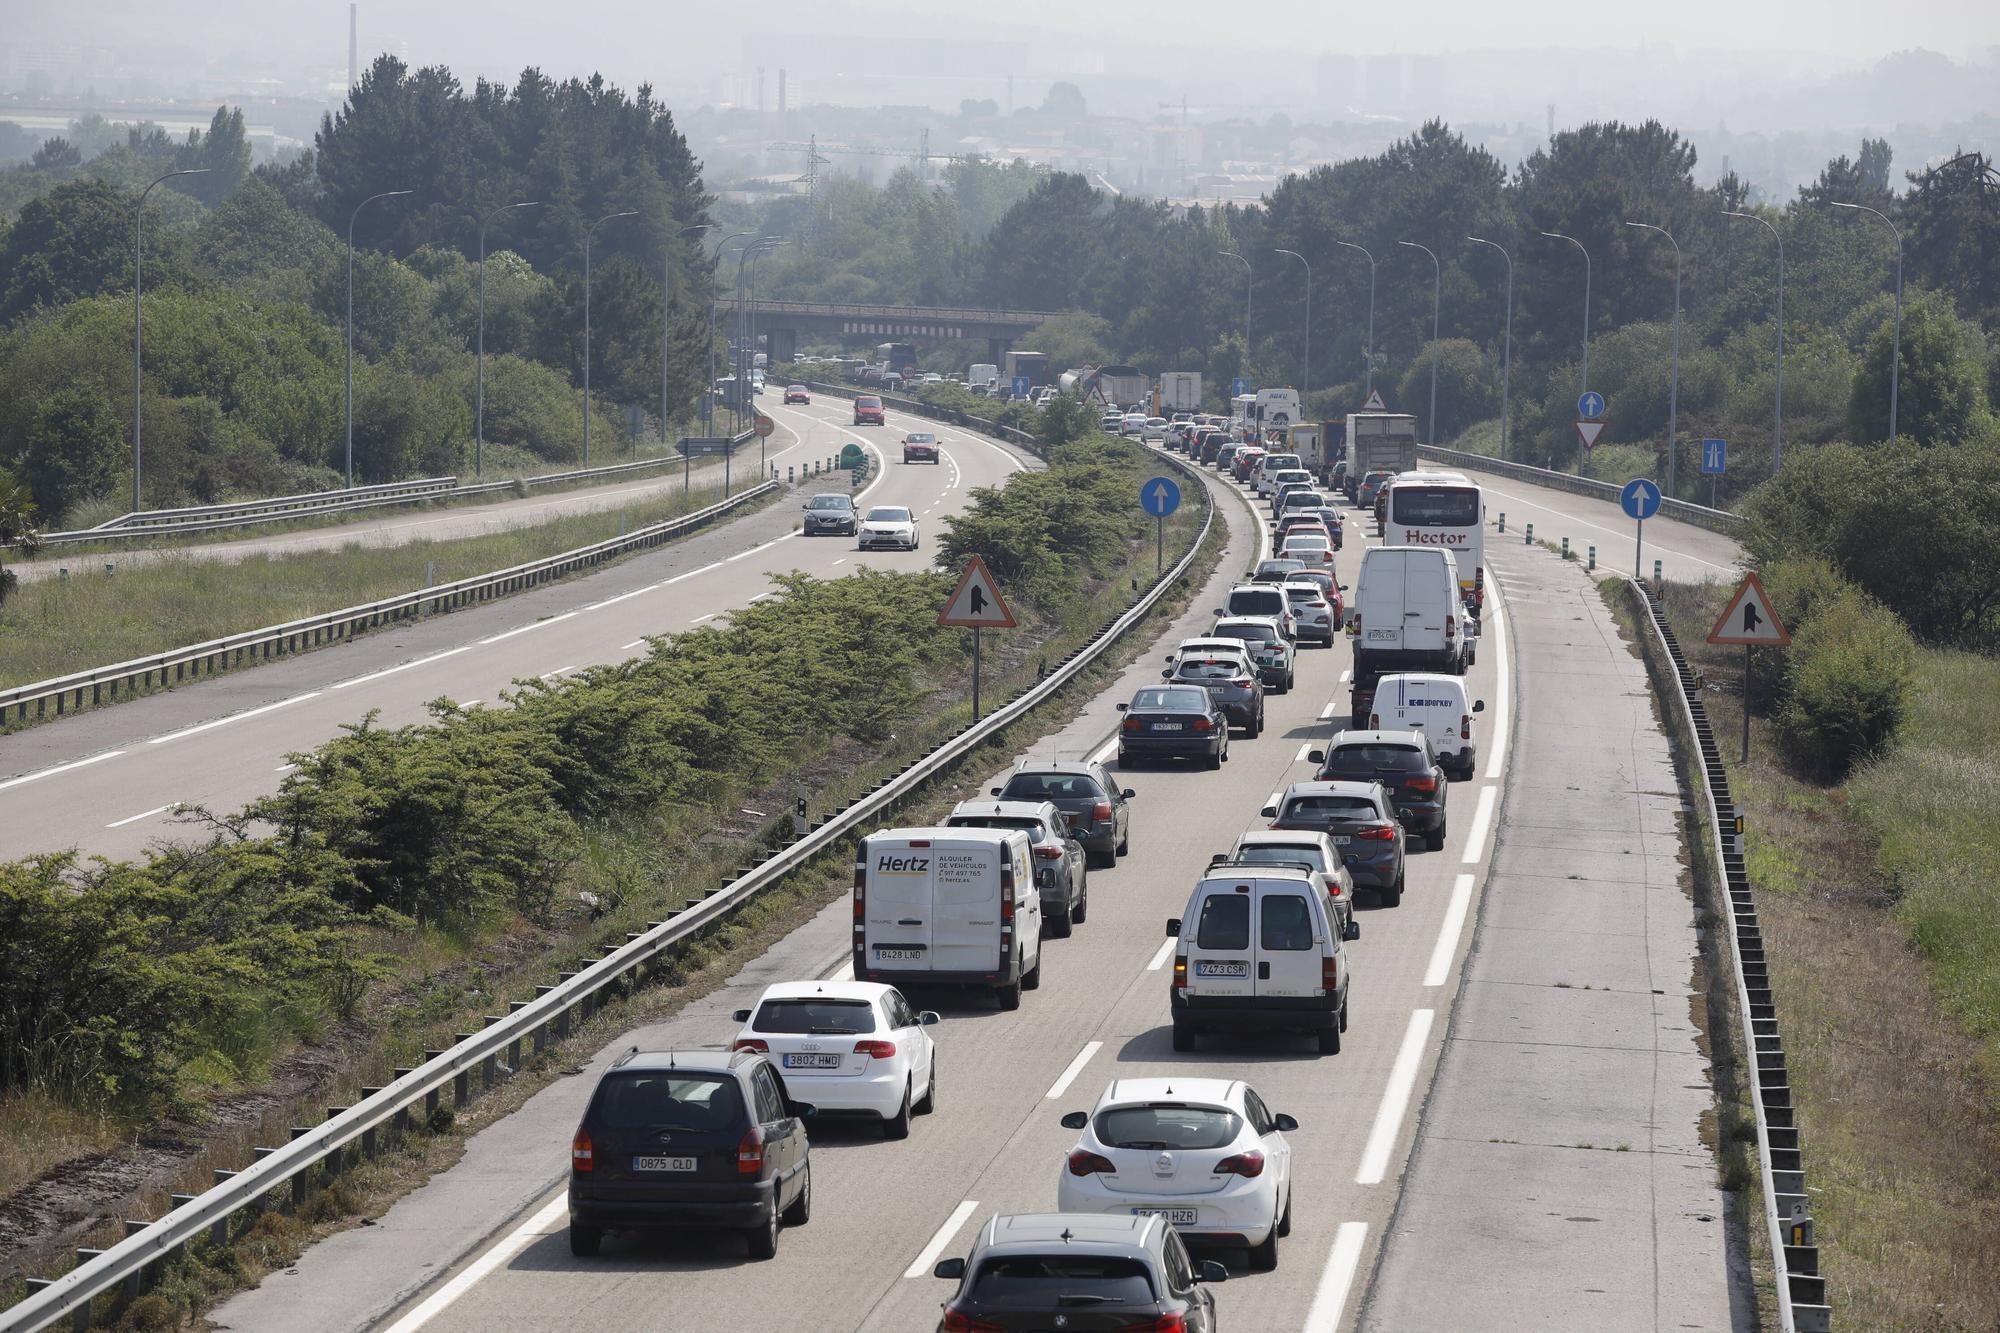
473, 703
540, 1224
710, 616
1395, 1101
841, 561
1614, 532
1326, 713
390, 671
1502, 681
636, 643
523, 629
1454, 922
1330, 1301
285, 768
551, 675
1160, 958
764, 546
1489, 796
1061, 1085
233, 717
921, 1267
1304, 750
763, 596
1104, 751
680, 578
60, 768
1346, 676
845, 972
1275, 797
133, 819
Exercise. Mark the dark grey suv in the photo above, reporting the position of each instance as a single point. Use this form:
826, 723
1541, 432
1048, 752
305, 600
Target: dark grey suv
1082, 1271
697, 1139
1404, 763
830, 515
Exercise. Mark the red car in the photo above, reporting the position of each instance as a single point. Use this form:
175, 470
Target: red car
868, 410
796, 393
920, 446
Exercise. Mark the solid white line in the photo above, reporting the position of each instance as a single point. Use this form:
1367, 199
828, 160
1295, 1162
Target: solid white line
523, 629
540, 1224
679, 578
1304, 750
636, 643
1061, 1085
1395, 1101
1104, 751
1160, 958
1454, 922
60, 768
740, 555
234, 717
473, 703
133, 819
1330, 1301
845, 972
1502, 681
710, 616
928, 1256
1489, 796
390, 671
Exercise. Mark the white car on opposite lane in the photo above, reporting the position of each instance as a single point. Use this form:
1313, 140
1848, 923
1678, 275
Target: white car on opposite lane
847, 1048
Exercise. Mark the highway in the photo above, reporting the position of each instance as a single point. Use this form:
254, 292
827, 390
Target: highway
1687, 554
482, 1246
106, 781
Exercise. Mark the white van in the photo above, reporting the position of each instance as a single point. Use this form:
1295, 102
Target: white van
1262, 947
1406, 613
1438, 706
1269, 466
948, 906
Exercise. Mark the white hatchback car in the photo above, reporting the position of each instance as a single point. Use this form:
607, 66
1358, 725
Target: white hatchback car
1204, 1152
849, 1048
891, 526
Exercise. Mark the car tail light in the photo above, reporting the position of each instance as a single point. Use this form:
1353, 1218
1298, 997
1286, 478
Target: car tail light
1421, 784
1246, 1164
1465, 726
1377, 832
1329, 974
1166, 1323
1049, 853
876, 1050
1083, 1162
1101, 811
581, 1154
1006, 908
750, 1152
750, 1044
1203, 724
1133, 724
1241, 682
1357, 622
1450, 626
954, 1322
1180, 972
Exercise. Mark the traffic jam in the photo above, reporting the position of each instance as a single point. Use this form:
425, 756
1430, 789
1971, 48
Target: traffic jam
1171, 1181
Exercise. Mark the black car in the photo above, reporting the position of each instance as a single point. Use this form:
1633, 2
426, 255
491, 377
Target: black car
1403, 763
1173, 722
831, 514
1236, 688
1096, 806
1081, 1271
700, 1139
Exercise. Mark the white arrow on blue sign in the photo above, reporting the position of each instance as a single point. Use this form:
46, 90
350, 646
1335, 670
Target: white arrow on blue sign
1714, 457
1590, 405
1021, 386
1641, 499
1160, 497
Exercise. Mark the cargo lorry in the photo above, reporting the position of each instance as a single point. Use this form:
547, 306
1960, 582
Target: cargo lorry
1035, 365
1378, 441
1180, 391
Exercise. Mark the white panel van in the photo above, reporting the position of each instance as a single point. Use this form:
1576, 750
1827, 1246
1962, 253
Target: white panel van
1438, 706
1406, 613
948, 906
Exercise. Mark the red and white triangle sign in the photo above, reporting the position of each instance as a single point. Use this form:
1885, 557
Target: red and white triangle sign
977, 603
1588, 431
1749, 619
1374, 403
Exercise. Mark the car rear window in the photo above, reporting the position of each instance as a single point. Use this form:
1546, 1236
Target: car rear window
1212, 668
1050, 787
805, 1016
1286, 923
1167, 1127
1257, 602
1270, 854
1329, 807
1166, 699
1368, 758
1305, 594
667, 1099
1032, 827
1224, 923
1043, 1281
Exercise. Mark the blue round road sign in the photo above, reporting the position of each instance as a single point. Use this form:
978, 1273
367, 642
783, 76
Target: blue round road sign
1641, 499
1590, 405
1160, 497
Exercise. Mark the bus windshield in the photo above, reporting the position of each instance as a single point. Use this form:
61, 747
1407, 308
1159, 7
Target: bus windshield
1434, 506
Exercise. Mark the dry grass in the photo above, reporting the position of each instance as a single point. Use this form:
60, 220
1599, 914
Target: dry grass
37, 1131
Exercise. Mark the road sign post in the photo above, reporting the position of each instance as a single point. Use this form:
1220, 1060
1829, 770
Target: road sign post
976, 604
1022, 388
1160, 497
1749, 620
1641, 500
1714, 462
1374, 402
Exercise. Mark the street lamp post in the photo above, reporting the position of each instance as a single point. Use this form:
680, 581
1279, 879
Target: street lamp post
1896, 345
667, 328
1674, 384
759, 251
1437, 289
1583, 386
386, 194
1247, 276
588, 233
1507, 339
1369, 371
708, 395
1305, 375
479, 358
138, 285
1778, 406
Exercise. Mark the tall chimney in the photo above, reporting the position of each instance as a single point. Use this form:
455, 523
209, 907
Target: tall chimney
353, 47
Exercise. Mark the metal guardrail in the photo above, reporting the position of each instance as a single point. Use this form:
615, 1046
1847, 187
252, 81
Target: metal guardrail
191, 661
1701, 516
387, 1110
1801, 1289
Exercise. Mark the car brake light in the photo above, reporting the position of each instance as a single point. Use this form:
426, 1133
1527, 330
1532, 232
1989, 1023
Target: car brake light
750, 1152
581, 1154
1377, 832
1421, 784
1246, 1164
1203, 724
1329, 974
1083, 1162
1006, 909
1049, 853
1465, 726
876, 1050
1133, 724
1166, 1323
1450, 627
1180, 972
954, 1322
1101, 810
750, 1044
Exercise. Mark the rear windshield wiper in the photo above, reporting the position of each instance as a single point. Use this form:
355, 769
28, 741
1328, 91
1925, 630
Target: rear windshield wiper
1068, 1298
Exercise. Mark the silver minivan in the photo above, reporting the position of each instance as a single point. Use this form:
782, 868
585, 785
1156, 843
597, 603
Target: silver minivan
1262, 947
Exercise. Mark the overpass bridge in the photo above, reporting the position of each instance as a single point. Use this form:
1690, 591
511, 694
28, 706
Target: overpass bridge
783, 321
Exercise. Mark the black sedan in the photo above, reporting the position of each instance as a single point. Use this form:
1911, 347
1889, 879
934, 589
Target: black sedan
1173, 722
1232, 683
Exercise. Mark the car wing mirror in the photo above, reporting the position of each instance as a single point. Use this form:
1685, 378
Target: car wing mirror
1351, 931
1315, 756
1076, 1120
929, 1018
1218, 857
801, 1110
994, 790
954, 1269
1173, 927
1212, 1270
740, 1016
1268, 812
1128, 794
1478, 705
1121, 708
1284, 1123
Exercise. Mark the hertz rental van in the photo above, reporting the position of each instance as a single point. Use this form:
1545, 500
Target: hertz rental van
948, 906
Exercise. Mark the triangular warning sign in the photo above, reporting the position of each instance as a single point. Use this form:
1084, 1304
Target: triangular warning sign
1750, 620
1374, 403
1588, 431
977, 603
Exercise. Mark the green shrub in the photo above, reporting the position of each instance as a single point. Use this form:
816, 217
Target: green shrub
1848, 685
1797, 587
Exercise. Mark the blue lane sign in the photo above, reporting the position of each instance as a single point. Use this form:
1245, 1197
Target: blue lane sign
1714, 457
1641, 499
1021, 386
1238, 387
1160, 497
1590, 405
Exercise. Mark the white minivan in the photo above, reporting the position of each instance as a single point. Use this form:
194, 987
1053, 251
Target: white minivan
948, 906
1406, 614
1439, 706
1269, 466
1261, 948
